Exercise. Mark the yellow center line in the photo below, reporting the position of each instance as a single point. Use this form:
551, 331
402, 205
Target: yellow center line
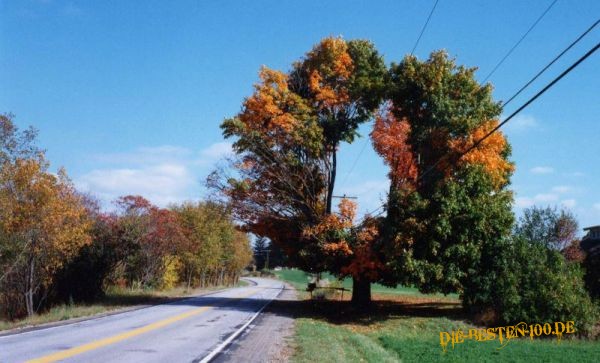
64, 354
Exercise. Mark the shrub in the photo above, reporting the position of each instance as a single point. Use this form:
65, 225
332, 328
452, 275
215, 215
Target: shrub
519, 281
170, 277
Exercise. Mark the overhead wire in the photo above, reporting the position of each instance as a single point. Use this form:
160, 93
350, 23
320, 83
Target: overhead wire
511, 116
412, 51
519, 41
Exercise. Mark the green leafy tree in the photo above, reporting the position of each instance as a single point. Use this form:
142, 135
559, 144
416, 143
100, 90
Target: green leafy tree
548, 226
259, 249
443, 207
519, 280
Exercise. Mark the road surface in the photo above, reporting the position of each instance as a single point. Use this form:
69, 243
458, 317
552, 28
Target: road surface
186, 330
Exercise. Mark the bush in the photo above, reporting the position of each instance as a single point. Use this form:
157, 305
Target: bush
170, 277
517, 281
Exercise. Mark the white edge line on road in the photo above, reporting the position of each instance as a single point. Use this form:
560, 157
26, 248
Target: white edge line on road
230, 339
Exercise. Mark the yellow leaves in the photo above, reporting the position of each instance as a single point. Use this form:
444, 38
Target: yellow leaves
42, 211
488, 154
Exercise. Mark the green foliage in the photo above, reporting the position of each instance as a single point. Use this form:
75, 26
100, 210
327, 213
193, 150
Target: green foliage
517, 280
441, 237
405, 338
260, 253
437, 93
215, 251
547, 226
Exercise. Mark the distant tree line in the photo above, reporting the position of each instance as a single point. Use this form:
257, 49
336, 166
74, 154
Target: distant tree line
56, 245
268, 255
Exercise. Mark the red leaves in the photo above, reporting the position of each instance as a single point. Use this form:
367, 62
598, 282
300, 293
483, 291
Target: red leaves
365, 262
389, 138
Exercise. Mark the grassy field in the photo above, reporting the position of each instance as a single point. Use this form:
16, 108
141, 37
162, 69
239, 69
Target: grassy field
404, 326
299, 279
115, 299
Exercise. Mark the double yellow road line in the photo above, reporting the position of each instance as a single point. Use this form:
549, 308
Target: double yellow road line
64, 354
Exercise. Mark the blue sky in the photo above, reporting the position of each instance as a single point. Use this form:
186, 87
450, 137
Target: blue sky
128, 96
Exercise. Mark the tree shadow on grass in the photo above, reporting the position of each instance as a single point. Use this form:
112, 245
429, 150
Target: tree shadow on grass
383, 308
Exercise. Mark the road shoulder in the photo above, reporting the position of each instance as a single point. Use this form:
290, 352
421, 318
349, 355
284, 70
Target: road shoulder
268, 339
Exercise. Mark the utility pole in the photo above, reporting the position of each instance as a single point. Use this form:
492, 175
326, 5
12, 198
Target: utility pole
267, 260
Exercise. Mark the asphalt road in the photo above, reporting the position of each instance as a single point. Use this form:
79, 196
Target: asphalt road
182, 331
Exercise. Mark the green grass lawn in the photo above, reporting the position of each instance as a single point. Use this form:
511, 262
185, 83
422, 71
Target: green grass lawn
299, 279
416, 339
404, 326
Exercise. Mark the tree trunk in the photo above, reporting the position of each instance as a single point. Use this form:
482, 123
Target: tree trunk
30, 288
361, 293
189, 280
332, 175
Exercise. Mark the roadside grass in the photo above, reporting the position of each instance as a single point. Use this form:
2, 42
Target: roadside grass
299, 280
416, 339
115, 299
404, 327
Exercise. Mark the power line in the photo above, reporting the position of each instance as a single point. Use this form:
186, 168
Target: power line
518, 110
552, 62
365, 143
519, 42
412, 51
541, 92
425, 27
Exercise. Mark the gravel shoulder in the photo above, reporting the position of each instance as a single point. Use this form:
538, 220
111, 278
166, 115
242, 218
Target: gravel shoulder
268, 338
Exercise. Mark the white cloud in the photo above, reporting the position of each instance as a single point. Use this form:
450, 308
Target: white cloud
163, 174
521, 123
161, 184
562, 189
545, 197
217, 151
569, 203
542, 198
542, 170
524, 202
597, 206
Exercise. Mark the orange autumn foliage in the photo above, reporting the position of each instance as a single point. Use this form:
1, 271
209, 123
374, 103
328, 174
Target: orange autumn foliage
269, 110
389, 138
365, 263
488, 154
333, 223
330, 66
